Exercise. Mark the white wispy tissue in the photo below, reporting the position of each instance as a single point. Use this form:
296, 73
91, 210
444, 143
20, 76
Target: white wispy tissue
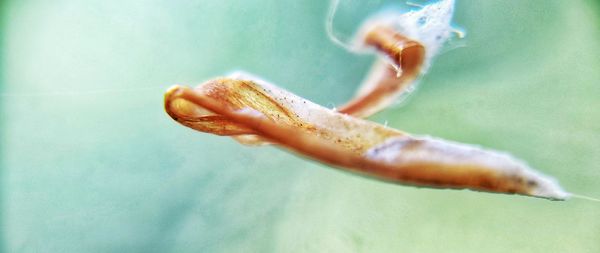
431, 25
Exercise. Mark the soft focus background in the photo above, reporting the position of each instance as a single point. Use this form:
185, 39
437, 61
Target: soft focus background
91, 163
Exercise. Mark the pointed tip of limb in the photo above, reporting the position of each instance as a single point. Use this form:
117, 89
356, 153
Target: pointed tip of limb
445, 164
549, 188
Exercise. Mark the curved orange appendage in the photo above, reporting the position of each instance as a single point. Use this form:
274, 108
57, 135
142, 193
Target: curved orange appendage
351, 143
387, 82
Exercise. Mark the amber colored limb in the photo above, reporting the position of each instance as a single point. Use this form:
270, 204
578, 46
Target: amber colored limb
199, 119
365, 147
379, 90
277, 105
387, 79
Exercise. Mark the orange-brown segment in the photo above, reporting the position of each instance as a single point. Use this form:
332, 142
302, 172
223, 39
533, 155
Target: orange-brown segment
387, 82
397, 157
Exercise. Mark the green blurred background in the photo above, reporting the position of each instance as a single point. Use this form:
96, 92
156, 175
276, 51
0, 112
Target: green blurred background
91, 163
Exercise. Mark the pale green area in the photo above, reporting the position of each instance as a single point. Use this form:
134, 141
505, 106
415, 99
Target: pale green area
110, 172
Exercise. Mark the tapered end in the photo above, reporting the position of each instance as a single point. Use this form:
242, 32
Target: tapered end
445, 164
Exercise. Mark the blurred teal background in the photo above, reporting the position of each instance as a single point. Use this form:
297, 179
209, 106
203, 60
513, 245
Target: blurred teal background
91, 163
